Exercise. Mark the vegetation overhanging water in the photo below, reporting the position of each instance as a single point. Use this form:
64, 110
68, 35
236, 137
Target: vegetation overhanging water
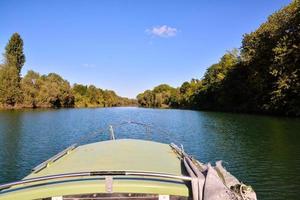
262, 77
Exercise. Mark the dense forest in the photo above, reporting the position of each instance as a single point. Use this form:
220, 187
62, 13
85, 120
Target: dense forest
263, 76
46, 91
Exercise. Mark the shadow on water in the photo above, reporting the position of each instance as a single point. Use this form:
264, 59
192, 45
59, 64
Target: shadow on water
263, 150
10, 142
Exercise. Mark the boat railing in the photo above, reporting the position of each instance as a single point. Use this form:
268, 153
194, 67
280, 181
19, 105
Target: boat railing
148, 127
97, 174
53, 159
112, 127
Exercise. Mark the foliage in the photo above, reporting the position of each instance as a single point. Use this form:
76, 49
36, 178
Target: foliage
35, 90
31, 84
14, 55
161, 96
264, 77
272, 60
10, 92
46, 91
164, 96
91, 96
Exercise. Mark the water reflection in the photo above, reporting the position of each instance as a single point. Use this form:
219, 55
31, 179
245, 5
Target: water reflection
260, 150
10, 142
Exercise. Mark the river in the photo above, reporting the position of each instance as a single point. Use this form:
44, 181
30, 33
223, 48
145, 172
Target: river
262, 151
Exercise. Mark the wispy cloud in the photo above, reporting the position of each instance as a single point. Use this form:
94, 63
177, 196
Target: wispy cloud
86, 65
162, 31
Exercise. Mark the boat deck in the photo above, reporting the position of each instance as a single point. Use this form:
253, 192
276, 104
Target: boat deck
113, 155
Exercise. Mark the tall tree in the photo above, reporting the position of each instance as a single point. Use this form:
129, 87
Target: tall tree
10, 91
14, 55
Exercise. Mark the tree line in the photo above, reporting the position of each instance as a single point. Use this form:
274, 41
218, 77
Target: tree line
46, 91
263, 76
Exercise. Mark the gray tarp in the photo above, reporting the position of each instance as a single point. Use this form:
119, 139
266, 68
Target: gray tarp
214, 188
213, 183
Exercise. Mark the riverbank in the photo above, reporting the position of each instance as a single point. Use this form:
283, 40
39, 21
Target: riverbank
262, 76
26, 107
165, 107
225, 111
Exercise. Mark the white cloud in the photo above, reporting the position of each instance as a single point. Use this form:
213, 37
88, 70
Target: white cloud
88, 65
162, 31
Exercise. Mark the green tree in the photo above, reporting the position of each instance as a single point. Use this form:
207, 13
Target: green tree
80, 89
91, 96
95, 96
10, 92
161, 96
31, 85
263, 78
49, 90
271, 56
54, 92
14, 55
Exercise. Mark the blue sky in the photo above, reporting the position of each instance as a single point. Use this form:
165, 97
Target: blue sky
129, 45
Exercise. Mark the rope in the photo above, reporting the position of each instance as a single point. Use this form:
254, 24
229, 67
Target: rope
148, 128
86, 136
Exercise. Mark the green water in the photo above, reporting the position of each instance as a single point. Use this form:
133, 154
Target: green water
262, 151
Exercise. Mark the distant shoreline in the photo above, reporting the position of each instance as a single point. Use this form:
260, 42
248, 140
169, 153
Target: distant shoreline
20, 107
156, 108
